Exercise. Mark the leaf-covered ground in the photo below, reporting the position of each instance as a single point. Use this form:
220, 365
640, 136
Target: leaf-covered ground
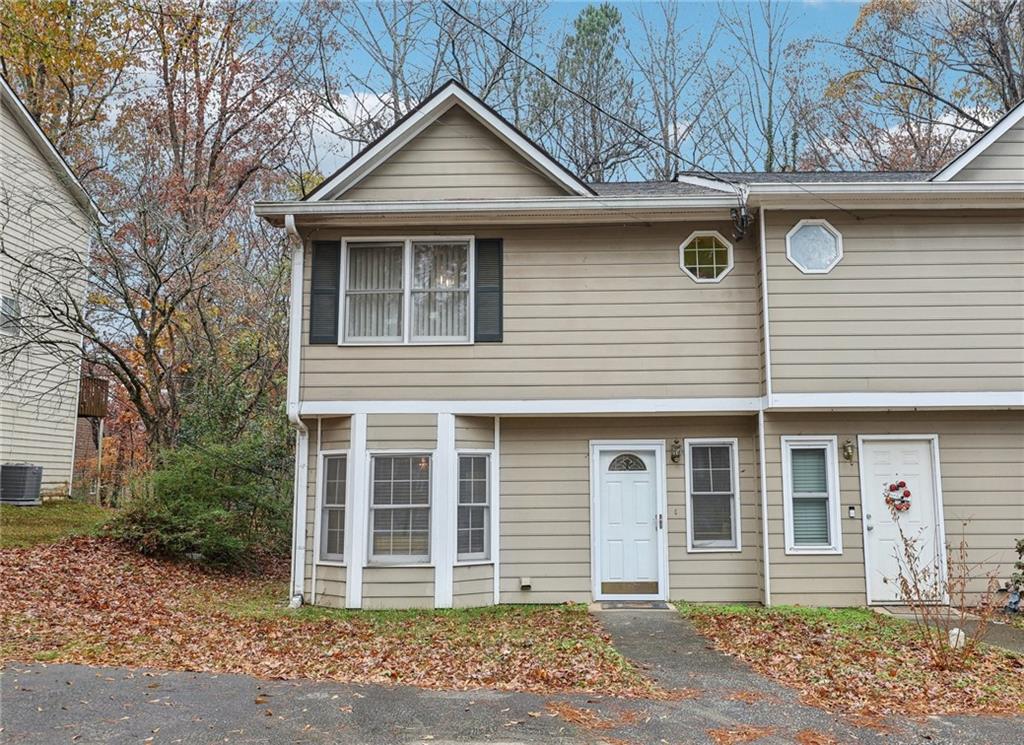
90, 601
27, 526
856, 661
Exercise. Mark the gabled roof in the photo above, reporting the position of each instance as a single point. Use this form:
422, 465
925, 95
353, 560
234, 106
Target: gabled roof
980, 145
49, 151
429, 110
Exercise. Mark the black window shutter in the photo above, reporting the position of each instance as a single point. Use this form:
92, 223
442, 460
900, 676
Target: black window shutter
325, 278
487, 313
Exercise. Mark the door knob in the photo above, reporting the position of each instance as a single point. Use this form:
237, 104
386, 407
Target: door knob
870, 527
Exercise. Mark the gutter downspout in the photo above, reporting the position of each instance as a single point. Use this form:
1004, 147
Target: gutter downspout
298, 572
766, 404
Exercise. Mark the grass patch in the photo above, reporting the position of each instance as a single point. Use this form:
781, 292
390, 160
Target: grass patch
853, 660
49, 522
93, 601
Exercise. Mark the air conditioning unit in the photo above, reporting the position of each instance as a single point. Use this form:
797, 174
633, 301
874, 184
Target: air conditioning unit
19, 484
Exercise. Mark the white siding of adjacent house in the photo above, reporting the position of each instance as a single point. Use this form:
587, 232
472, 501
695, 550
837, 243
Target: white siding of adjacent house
1003, 160
38, 397
921, 301
589, 313
455, 157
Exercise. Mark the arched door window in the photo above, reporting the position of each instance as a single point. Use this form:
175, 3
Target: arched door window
627, 462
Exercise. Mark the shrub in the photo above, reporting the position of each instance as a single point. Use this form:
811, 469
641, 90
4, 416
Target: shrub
227, 503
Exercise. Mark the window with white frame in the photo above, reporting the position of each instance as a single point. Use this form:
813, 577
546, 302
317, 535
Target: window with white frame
10, 316
814, 246
411, 291
811, 495
400, 508
712, 491
473, 528
706, 256
332, 508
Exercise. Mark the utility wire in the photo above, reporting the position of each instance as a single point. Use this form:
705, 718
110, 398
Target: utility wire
739, 189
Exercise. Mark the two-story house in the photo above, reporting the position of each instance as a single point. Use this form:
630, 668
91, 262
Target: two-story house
44, 212
513, 386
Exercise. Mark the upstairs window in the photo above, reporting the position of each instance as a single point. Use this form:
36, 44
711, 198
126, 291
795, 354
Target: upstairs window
814, 246
411, 291
706, 256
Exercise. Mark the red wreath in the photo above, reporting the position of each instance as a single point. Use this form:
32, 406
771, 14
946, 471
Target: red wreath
897, 496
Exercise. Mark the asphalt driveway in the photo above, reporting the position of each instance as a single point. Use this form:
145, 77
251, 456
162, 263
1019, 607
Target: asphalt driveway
70, 703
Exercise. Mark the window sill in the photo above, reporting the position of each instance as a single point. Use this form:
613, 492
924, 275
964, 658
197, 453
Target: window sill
474, 563
329, 563
398, 565
823, 551
711, 550
453, 343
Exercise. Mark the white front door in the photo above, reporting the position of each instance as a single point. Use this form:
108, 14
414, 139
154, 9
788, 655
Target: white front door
885, 462
627, 510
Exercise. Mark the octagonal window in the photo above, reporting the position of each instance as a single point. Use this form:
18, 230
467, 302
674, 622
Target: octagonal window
814, 246
706, 256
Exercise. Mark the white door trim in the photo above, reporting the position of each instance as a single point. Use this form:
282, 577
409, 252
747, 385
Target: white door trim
596, 448
940, 521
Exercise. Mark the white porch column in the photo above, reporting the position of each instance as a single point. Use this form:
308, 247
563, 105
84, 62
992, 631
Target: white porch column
445, 509
358, 502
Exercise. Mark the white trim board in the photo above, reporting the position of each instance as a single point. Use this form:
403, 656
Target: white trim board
521, 407
940, 518
596, 448
980, 145
432, 108
910, 400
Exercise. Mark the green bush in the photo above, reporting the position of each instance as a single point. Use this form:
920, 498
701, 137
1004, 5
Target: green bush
228, 503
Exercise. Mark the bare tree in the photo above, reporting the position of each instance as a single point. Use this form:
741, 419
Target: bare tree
671, 62
576, 125
751, 123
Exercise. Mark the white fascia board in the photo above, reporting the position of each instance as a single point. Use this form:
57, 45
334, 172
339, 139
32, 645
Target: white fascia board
939, 400
535, 408
906, 195
422, 118
593, 206
980, 145
50, 152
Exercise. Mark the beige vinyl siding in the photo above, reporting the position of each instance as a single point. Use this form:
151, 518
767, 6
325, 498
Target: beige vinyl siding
591, 312
398, 587
474, 432
921, 301
981, 459
38, 396
1003, 160
473, 586
545, 508
455, 157
330, 580
410, 432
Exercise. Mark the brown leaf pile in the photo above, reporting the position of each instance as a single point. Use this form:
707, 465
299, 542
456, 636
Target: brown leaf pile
91, 601
738, 735
859, 662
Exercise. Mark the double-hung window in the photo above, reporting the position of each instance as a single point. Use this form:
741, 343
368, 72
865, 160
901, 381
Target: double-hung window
473, 528
400, 508
811, 495
713, 495
408, 291
332, 508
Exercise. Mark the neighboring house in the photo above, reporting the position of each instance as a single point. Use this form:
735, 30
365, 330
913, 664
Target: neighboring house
43, 210
513, 386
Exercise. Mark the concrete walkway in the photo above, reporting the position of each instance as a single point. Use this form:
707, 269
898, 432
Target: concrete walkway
76, 704
998, 634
